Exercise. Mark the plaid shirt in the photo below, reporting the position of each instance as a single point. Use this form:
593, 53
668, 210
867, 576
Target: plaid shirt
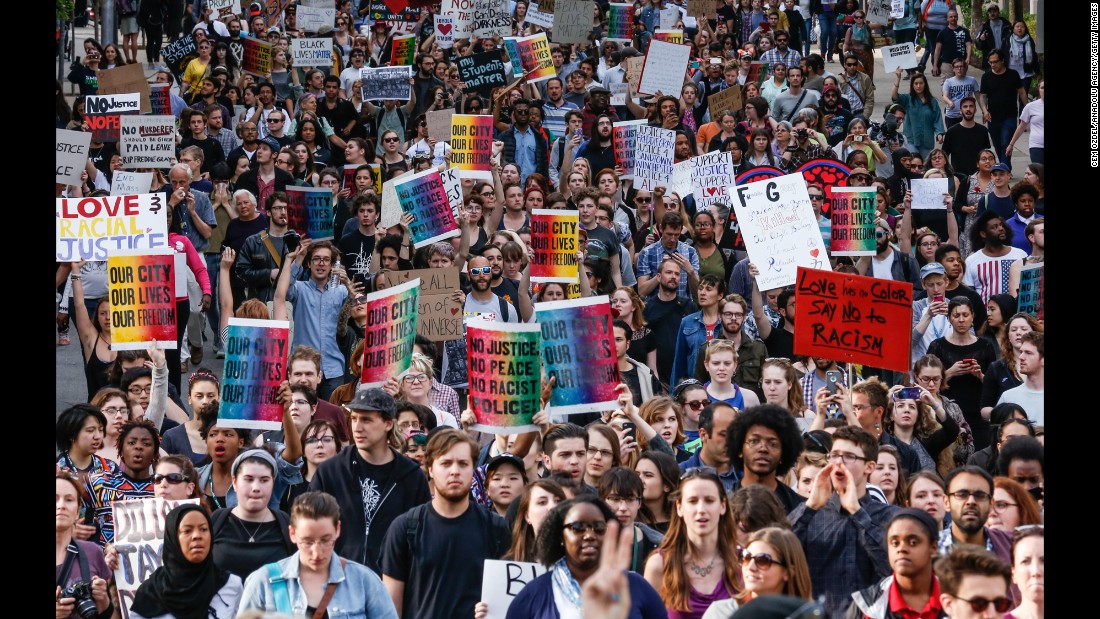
808, 390
649, 263
791, 58
227, 140
444, 398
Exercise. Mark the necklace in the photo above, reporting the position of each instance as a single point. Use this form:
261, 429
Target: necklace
253, 534
703, 571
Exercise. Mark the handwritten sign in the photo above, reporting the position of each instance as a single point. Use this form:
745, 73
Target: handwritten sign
315, 19
633, 68
503, 580
702, 8
681, 180
723, 100
139, 540
123, 183
503, 370
386, 83
123, 80
492, 18
389, 334
538, 18
534, 55
619, 92
711, 176
423, 195
439, 124
780, 229
257, 57
878, 11
623, 137
664, 68
147, 141
445, 31
472, 145
439, 315
903, 55
309, 211
311, 52
70, 155
103, 114
668, 18
897, 8
1030, 297
142, 291
928, 193
224, 8
852, 211
620, 21
572, 21
852, 318
578, 348
653, 156
403, 50
255, 364
463, 13
178, 54
483, 72
554, 241
88, 228
547, 6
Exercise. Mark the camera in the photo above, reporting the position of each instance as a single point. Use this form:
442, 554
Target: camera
292, 240
801, 134
82, 592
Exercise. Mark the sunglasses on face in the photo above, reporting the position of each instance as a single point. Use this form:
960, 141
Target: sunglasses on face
579, 528
764, 561
481, 270
172, 478
979, 604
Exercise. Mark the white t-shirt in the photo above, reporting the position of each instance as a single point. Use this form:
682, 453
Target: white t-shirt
880, 269
1030, 401
988, 275
1033, 116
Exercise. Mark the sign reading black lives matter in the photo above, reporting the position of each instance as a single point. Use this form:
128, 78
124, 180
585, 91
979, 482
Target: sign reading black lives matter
386, 82
482, 72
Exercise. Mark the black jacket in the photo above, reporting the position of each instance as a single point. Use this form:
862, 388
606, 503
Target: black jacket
406, 488
249, 181
990, 43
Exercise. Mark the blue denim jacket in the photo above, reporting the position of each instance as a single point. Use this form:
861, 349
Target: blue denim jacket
689, 341
359, 594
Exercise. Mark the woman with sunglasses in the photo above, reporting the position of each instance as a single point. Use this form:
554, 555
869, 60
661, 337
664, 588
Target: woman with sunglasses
696, 564
692, 396
1028, 568
342, 36
773, 563
392, 159
175, 479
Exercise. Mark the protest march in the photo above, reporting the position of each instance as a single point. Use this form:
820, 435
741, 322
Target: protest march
486, 309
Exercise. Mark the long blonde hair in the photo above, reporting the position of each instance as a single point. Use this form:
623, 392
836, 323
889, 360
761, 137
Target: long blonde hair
786, 544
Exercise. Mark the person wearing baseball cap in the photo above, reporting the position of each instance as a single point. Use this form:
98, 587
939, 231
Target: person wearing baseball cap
932, 309
505, 477
836, 112
372, 482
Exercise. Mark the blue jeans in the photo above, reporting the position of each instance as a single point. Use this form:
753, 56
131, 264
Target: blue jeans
808, 27
213, 266
827, 38
930, 37
1001, 131
1037, 155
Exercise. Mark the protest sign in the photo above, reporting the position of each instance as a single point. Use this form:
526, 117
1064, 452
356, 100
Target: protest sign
572, 21
391, 208
389, 334
88, 228
273, 11
664, 68
633, 70
534, 55
897, 8
1030, 298
619, 92
878, 11
349, 176
423, 195
711, 175
147, 141
472, 145
255, 364
547, 6
702, 8
620, 22
852, 318
315, 19
70, 155
123, 80
257, 57
403, 51
439, 124
452, 184
578, 347
653, 156
463, 13
159, 100
512, 49
386, 83
928, 193
439, 315
780, 229
401, 13
538, 18
141, 287
103, 114
223, 8
554, 242
758, 72
482, 72
445, 31
853, 212
315, 52
669, 17
681, 180
503, 580
178, 54
903, 55
492, 18
728, 99
124, 183
503, 371
623, 135
139, 541
309, 211
669, 36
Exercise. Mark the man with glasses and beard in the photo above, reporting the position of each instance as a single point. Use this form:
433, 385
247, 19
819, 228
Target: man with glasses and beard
481, 301
779, 340
782, 53
262, 256
969, 499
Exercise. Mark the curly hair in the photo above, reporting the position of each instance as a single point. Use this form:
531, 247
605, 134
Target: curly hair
776, 419
550, 543
926, 420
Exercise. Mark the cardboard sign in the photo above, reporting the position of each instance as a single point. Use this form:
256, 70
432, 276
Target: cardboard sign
632, 68
424, 197
620, 22
386, 83
88, 228
483, 72
141, 286
221, 9
178, 54
547, 6
554, 241
727, 99
389, 334
255, 364
439, 315
903, 55
313, 19
257, 57
147, 141
853, 211
315, 52
653, 156
780, 229
664, 69
439, 124
70, 155
309, 211
572, 21
1030, 297
702, 9
445, 31
852, 318
503, 370
125, 79
578, 347
139, 540
124, 183
403, 50
619, 92
534, 55
463, 13
502, 581
472, 145
103, 114
623, 136
711, 176
492, 18
928, 193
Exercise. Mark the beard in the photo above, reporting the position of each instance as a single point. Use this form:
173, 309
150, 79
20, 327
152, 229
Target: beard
480, 285
453, 495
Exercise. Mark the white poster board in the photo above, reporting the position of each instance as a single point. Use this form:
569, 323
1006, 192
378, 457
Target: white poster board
123, 183
445, 31
619, 92
463, 13
313, 19
316, 52
502, 581
544, 20
89, 228
669, 17
664, 68
897, 8
711, 177
653, 156
681, 179
903, 55
71, 154
878, 11
147, 141
928, 193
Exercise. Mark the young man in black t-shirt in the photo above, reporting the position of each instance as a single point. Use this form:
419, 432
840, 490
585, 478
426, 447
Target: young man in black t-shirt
664, 310
358, 245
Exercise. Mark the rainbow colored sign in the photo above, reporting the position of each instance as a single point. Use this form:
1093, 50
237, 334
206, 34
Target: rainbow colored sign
853, 212
255, 365
309, 211
554, 239
424, 196
534, 55
390, 332
142, 288
472, 145
578, 347
620, 21
504, 375
404, 51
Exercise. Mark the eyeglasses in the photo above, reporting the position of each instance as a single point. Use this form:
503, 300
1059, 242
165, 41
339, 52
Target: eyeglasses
140, 390
604, 453
851, 64
324, 440
415, 378
172, 478
481, 270
643, 200
1000, 506
274, 120
848, 458
964, 495
487, 194
277, 207
579, 528
776, 360
112, 410
858, 16
930, 244
763, 560
360, 300
408, 425
772, 444
300, 402
978, 605
320, 260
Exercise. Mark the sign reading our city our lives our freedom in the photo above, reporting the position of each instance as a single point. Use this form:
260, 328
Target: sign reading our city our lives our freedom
503, 580
389, 334
578, 350
534, 54
779, 228
147, 141
142, 289
71, 152
554, 241
103, 114
139, 541
89, 228
424, 196
309, 211
472, 145
255, 365
853, 319
853, 212
503, 371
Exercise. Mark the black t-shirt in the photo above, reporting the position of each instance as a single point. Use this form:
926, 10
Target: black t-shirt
664, 318
998, 379
963, 145
966, 389
508, 289
237, 231
356, 249
339, 116
1002, 93
233, 551
641, 344
602, 243
780, 342
953, 43
211, 150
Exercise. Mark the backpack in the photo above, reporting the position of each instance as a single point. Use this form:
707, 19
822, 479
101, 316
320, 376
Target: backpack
416, 514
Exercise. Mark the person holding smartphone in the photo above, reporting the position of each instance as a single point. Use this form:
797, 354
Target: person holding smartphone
930, 313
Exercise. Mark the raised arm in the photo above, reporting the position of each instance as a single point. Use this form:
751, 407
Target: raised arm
763, 325
282, 288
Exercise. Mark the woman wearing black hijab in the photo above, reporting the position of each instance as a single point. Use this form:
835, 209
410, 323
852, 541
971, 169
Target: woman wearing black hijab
188, 585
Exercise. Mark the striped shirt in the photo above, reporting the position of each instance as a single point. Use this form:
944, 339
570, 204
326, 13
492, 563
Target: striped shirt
988, 275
